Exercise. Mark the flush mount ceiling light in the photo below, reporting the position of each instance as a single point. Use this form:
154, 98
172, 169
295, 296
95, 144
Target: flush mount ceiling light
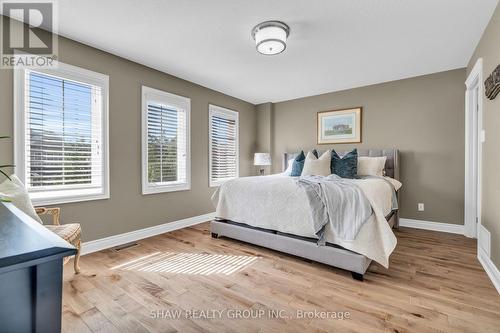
270, 37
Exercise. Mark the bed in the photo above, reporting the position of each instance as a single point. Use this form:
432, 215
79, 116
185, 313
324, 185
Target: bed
271, 211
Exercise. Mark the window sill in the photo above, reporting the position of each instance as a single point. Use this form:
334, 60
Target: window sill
217, 183
49, 198
165, 188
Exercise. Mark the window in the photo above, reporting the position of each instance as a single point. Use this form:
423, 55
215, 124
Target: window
165, 142
223, 142
61, 134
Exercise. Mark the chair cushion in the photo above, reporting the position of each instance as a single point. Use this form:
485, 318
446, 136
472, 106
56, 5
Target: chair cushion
69, 232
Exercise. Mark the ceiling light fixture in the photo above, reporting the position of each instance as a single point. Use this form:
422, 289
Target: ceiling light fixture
270, 37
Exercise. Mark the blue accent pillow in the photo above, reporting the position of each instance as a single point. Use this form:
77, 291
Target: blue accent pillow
347, 166
298, 163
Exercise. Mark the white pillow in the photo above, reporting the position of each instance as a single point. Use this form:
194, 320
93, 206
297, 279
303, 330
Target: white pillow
288, 170
314, 166
16, 192
371, 166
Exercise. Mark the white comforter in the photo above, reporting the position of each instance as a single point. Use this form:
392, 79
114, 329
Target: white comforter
276, 202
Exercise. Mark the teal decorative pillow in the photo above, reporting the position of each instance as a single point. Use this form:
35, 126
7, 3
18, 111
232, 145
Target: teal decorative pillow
298, 163
347, 166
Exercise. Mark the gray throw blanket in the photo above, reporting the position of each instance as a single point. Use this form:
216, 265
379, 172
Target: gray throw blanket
337, 201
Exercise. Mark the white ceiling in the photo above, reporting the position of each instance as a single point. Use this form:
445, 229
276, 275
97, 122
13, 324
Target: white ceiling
334, 44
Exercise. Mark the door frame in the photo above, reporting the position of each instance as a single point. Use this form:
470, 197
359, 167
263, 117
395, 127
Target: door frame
474, 138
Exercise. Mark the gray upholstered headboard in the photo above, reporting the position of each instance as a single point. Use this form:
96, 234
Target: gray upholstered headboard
391, 164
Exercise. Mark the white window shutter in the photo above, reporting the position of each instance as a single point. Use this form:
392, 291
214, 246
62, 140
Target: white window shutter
223, 145
63, 133
165, 142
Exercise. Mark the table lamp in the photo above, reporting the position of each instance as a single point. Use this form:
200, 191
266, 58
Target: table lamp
262, 159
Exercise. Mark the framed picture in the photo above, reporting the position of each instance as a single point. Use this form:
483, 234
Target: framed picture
339, 126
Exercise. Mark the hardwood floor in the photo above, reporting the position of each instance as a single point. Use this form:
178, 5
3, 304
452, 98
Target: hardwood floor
434, 284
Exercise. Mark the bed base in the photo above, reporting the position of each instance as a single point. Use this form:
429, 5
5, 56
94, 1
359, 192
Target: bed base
355, 276
331, 255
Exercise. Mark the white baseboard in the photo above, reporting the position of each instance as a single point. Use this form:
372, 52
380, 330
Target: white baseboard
112, 241
483, 254
490, 268
484, 240
434, 226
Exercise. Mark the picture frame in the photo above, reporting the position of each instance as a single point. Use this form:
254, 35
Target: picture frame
339, 126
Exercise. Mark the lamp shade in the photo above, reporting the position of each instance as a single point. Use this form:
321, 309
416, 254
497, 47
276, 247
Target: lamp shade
262, 159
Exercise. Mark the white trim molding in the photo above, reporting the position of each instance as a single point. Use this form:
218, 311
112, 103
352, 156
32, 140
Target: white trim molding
60, 194
484, 241
434, 226
132, 236
473, 150
490, 268
182, 105
483, 255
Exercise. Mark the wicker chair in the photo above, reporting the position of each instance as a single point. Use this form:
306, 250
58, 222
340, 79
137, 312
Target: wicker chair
69, 232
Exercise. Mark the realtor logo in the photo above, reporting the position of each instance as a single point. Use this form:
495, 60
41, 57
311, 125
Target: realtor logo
29, 36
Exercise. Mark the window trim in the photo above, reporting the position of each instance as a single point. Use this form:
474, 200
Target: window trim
73, 73
212, 110
177, 101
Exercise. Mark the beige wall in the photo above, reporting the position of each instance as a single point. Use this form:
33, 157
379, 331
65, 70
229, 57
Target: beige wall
127, 209
264, 140
489, 50
422, 116
264, 123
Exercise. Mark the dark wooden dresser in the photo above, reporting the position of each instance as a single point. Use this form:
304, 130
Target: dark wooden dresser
31, 260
